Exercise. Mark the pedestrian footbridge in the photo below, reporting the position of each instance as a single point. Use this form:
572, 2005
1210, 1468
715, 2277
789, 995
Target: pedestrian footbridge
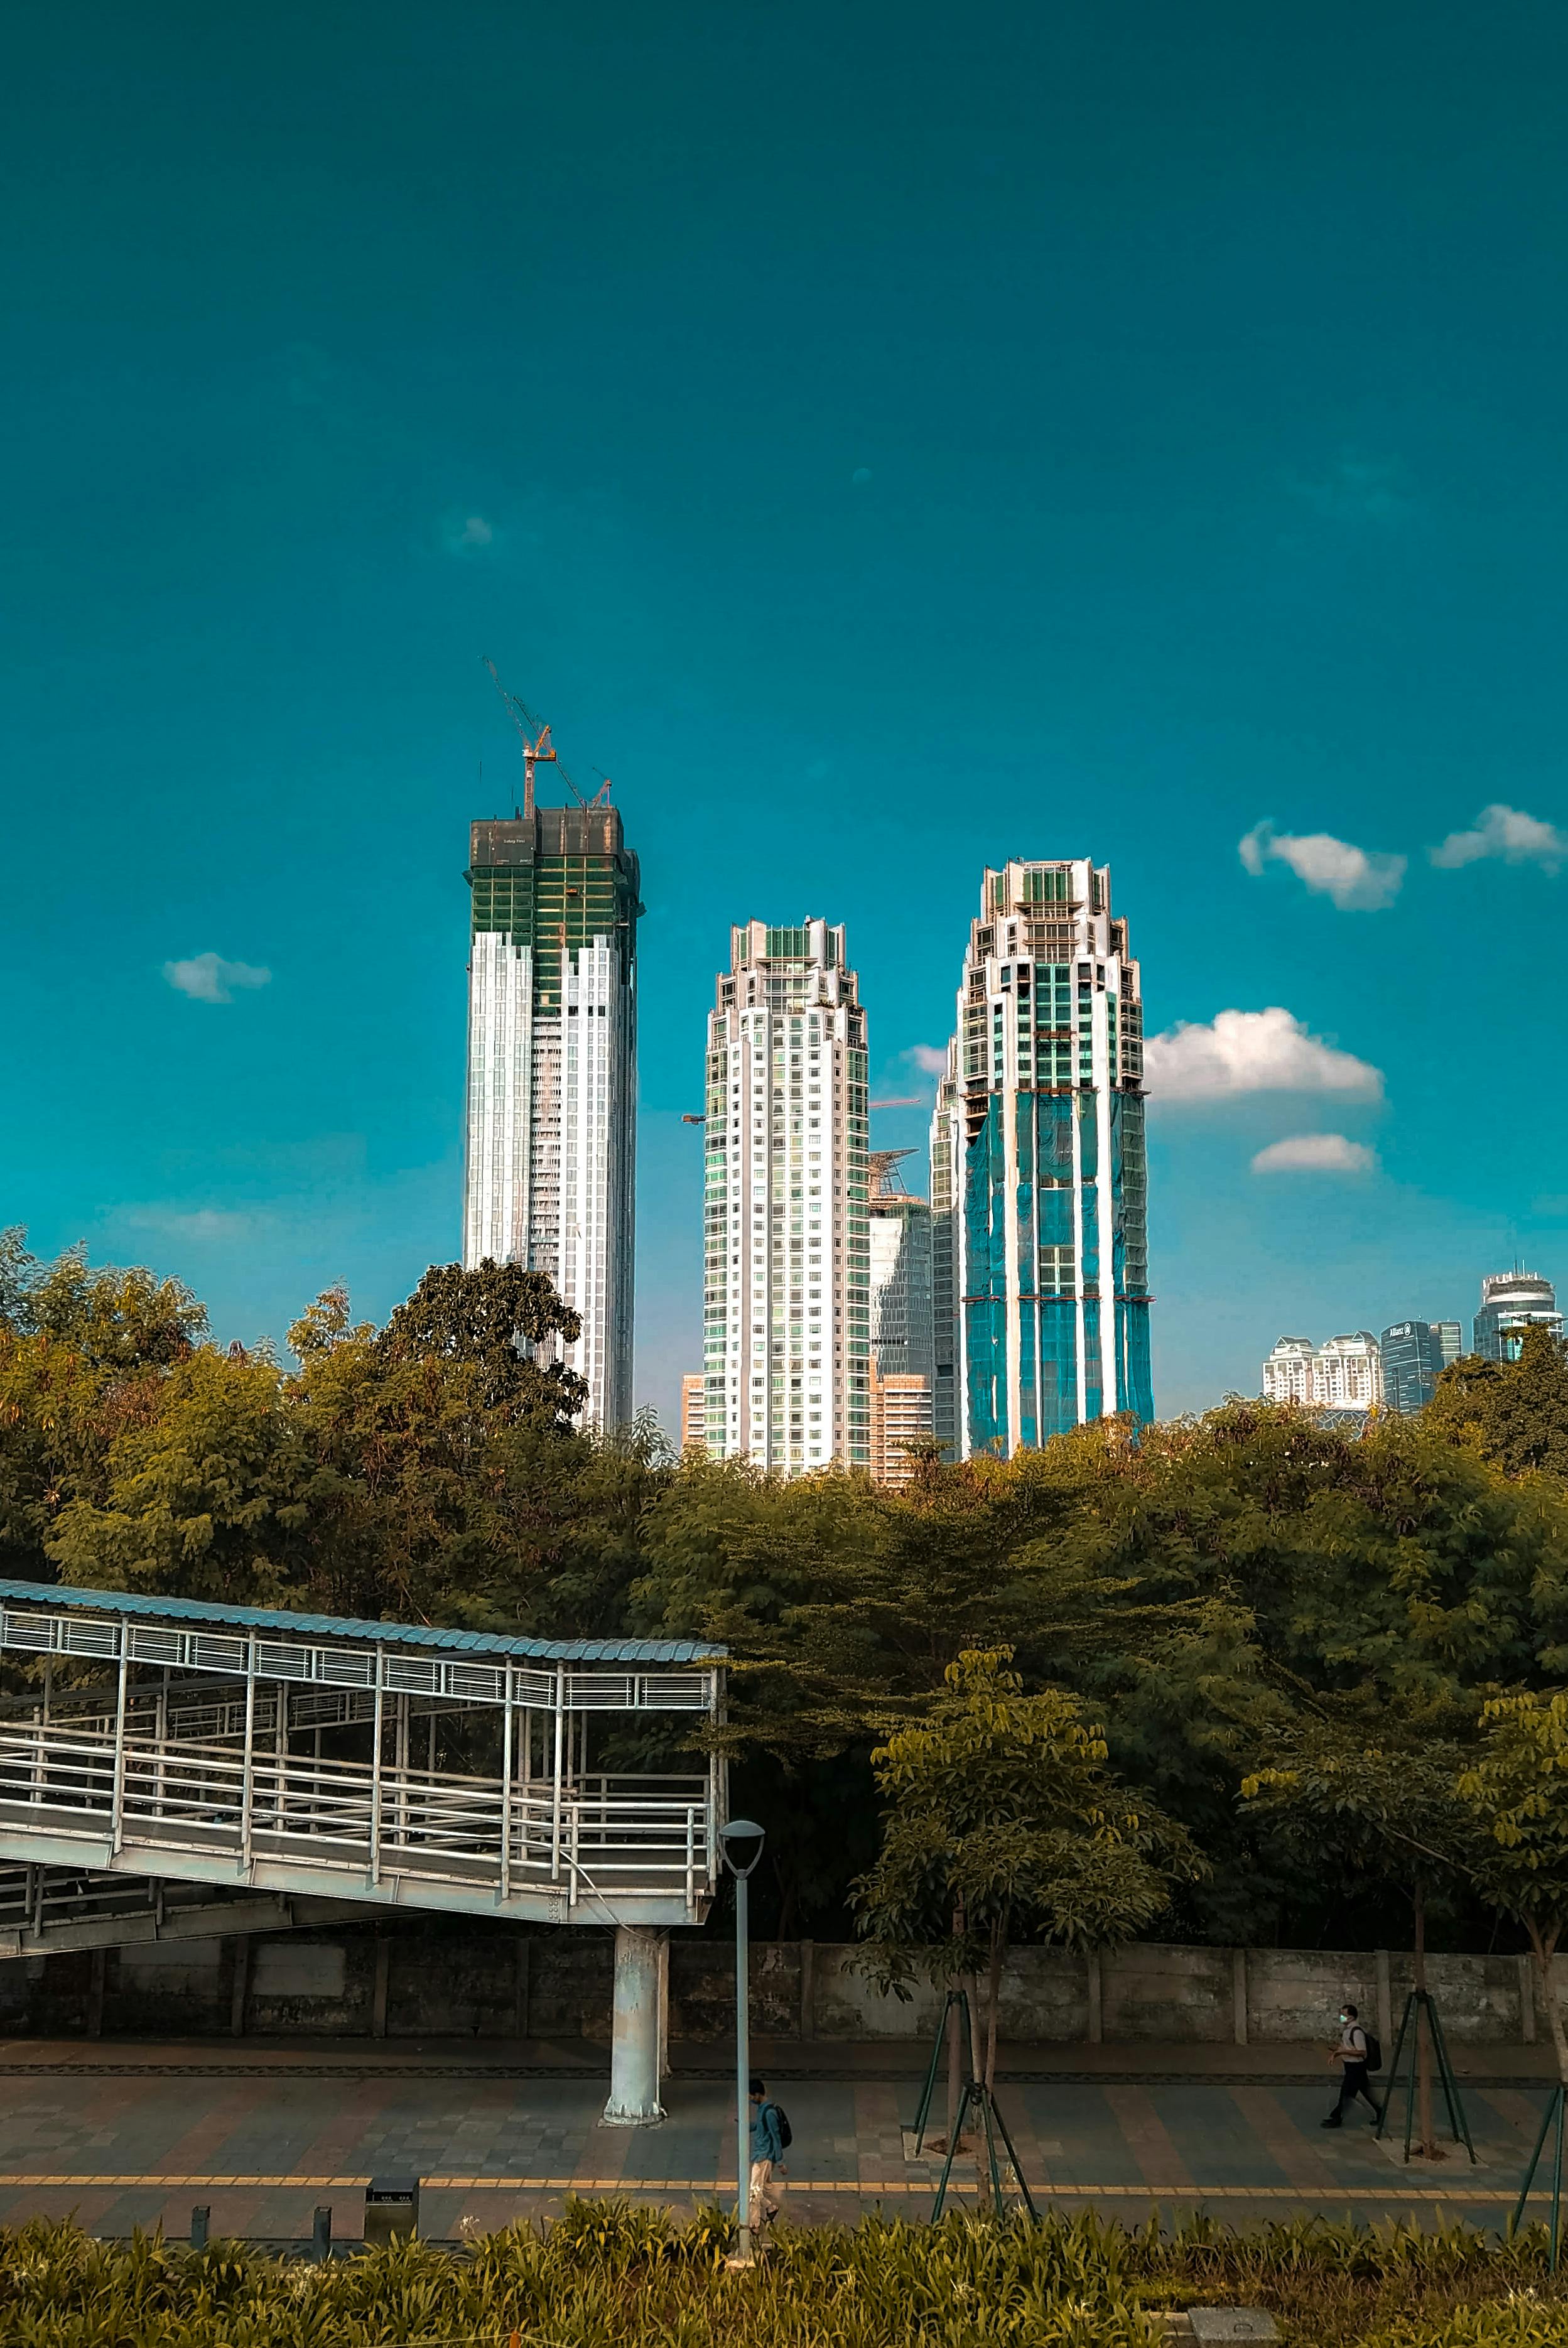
380, 1763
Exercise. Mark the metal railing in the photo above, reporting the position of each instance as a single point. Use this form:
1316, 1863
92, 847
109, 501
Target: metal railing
352, 1824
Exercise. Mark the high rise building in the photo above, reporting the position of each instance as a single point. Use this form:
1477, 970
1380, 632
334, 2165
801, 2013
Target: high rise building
901, 1415
1347, 1372
1287, 1373
1412, 1354
900, 1234
787, 1246
902, 1333
1039, 1168
947, 1270
694, 1413
1511, 1303
552, 1059
1450, 1342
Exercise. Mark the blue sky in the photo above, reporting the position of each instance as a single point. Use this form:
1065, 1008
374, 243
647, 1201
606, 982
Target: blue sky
885, 439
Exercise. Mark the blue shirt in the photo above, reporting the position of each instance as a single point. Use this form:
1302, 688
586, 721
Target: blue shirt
765, 2141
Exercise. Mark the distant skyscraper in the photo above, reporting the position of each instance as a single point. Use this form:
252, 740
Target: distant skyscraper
1039, 1170
694, 1413
1412, 1354
901, 1323
901, 1415
1347, 1373
1450, 1341
1511, 1303
553, 1061
787, 1271
903, 1361
946, 1267
1287, 1373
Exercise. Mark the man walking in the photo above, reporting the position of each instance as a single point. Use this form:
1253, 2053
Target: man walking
767, 2155
1351, 2056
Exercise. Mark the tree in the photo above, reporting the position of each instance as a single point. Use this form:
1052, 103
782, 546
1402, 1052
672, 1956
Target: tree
116, 1320
1375, 1808
490, 1318
1002, 1813
1517, 1789
1516, 1411
209, 1497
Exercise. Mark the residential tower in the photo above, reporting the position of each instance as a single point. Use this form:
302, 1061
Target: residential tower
1040, 1186
787, 1272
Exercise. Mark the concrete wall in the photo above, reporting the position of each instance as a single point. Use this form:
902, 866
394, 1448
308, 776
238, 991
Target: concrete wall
434, 1977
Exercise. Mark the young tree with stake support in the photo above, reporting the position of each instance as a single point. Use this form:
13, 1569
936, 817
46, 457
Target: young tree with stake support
1375, 1809
1003, 1814
1517, 1789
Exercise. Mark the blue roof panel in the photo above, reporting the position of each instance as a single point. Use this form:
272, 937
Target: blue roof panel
641, 1652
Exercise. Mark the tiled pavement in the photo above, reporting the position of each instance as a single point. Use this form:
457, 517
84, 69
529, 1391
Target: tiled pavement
263, 2152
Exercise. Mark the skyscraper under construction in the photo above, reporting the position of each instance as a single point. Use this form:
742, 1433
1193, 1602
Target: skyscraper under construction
552, 1069
1038, 1184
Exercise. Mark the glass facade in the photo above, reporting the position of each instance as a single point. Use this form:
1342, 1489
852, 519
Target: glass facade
1511, 1303
1039, 1180
1412, 1354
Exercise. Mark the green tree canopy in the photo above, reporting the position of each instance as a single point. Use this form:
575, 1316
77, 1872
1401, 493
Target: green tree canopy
496, 1319
1516, 1411
1001, 1810
1517, 1789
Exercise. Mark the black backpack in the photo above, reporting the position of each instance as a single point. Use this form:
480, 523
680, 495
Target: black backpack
786, 2134
1374, 2050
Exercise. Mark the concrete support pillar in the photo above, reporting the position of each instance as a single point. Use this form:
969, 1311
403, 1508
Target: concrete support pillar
638, 2026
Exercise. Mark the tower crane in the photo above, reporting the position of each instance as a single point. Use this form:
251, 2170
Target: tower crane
538, 750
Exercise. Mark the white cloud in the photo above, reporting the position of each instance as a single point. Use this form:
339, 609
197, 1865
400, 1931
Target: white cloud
203, 1224
1358, 488
1506, 832
464, 533
1252, 1052
1315, 1153
931, 1059
208, 978
1359, 879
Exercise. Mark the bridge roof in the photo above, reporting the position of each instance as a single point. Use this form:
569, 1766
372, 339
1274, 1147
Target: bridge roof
58, 1594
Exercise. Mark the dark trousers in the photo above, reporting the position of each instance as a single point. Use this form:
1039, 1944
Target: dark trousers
1353, 2084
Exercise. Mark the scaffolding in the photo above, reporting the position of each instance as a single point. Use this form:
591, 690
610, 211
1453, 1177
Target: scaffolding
384, 1762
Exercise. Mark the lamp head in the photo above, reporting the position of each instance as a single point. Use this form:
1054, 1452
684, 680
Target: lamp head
740, 1841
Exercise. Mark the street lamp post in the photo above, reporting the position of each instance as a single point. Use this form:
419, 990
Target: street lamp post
732, 1841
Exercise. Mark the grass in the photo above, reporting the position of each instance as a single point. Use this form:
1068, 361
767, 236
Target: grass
606, 2275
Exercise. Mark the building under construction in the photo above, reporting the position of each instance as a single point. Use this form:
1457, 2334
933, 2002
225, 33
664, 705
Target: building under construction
552, 1066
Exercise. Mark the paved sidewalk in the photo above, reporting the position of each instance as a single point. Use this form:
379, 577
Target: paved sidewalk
1147, 2062
262, 2143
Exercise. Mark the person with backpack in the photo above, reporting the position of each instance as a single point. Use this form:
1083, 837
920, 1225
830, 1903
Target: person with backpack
1357, 2052
771, 2137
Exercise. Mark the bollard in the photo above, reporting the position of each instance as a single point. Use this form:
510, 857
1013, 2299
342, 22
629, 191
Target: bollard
391, 2208
200, 2219
321, 2234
